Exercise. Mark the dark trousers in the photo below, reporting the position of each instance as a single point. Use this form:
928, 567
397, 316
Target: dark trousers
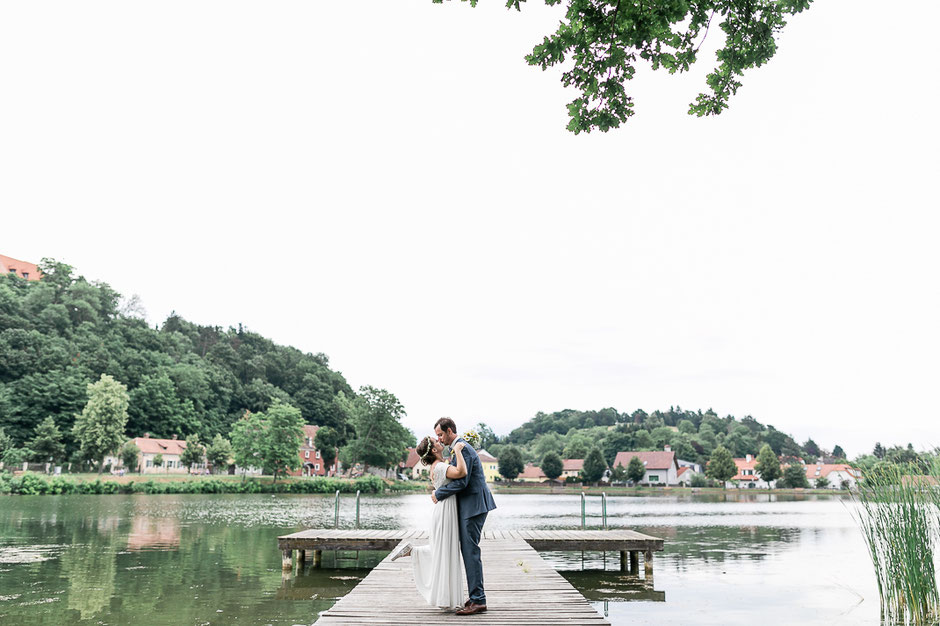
470, 531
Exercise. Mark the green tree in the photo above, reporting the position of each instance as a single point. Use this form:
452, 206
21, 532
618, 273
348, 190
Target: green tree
721, 466
575, 449
283, 435
328, 440
601, 42
794, 476
488, 438
248, 434
594, 466
551, 465
822, 482
6, 444
130, 456
837, 452
687, 427
381, 440
158, 460
510, 463
643, 440
618, 474
46, 446
218, 453
194, 453
549, 442
811, 448
768, 465
636, 470
99, 430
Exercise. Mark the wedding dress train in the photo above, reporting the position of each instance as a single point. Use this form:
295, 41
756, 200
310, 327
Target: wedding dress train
438, 566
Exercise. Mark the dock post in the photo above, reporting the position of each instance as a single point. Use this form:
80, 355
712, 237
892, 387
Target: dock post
623, 560
317, 557
286, 561
336, 511
648, 563
634, 562
357, 508
582, 511
604, 505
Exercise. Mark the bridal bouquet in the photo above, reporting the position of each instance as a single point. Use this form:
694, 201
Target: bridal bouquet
473, 438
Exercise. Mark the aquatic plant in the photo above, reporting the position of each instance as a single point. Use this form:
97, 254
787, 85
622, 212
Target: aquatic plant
898, 515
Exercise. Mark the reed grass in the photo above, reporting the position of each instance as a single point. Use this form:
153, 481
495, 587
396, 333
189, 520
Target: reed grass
898, 515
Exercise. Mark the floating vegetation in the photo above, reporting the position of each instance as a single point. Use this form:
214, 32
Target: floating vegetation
898, 515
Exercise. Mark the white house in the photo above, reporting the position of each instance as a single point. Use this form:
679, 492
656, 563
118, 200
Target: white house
661, 467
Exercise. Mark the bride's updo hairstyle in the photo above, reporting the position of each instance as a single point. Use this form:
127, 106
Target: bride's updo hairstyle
425, 450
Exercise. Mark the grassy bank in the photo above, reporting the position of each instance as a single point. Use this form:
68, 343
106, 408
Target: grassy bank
31, 484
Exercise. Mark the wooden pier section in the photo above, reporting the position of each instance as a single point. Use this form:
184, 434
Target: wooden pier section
521, 588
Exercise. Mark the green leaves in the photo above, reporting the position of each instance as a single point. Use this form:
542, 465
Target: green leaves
600, 41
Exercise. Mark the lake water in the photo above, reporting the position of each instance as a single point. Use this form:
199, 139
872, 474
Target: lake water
739, 558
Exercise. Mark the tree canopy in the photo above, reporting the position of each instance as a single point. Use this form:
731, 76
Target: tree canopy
600, 43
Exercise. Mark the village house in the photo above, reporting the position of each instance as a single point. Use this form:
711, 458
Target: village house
747, 476
169, 449
413, 468
839, 475
311, 463
490, 466
23, 269
685, 474
531, 474
571, 468
661, 468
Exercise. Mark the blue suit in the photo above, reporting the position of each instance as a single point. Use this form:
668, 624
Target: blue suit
474, 501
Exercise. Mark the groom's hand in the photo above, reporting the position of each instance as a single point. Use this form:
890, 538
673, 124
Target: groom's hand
433, 498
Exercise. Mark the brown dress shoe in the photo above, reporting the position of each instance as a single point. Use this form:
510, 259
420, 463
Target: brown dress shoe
468, 603
472, 609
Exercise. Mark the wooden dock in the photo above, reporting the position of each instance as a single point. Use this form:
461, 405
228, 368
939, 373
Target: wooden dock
521, 588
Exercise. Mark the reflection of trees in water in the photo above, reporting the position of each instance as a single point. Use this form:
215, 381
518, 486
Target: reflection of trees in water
89, 567
600, 585
686, 547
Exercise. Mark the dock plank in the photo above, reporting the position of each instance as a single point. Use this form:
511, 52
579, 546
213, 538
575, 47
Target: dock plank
521, 588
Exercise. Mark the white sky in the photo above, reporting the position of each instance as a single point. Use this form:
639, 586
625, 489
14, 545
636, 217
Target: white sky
391, 184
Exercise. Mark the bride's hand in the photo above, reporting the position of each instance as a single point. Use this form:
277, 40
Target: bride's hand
460, 445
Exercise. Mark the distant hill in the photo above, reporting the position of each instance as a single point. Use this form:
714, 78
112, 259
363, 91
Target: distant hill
62, 332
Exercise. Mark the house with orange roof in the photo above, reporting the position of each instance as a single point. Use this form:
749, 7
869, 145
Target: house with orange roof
685, 474
23, 269
571, 468
168, 449
531, 474
838, 475
662, 467
412, 467
747, 476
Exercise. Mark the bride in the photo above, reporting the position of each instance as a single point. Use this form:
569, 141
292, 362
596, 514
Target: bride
438, 569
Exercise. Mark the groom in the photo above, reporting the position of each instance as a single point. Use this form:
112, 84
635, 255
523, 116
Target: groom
474, 501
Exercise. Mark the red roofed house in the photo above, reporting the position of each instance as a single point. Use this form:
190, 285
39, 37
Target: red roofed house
311, 463
837, 474
170, 449
23, 269
747, 476
413, 467
571, 467
531, 474
685, 474
661, 467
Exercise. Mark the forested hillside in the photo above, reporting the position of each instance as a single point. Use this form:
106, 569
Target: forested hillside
692, 434
59, 334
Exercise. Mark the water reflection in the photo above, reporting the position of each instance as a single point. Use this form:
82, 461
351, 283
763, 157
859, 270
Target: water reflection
211, 559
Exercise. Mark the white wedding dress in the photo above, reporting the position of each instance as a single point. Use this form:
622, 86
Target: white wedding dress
438, 566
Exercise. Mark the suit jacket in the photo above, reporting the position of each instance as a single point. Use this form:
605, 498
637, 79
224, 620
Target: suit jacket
473, 496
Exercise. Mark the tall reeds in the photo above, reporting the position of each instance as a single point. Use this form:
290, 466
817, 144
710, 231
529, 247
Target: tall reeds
898, 515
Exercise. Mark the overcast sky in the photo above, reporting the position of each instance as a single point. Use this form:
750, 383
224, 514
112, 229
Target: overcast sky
388, 182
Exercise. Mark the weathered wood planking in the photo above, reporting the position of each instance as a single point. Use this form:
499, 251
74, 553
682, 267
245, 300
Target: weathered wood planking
521, 588
560, 540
